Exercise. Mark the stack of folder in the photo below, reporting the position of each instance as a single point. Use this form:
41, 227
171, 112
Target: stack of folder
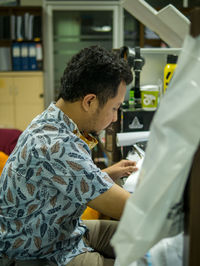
27, 56
26, 47
26, 27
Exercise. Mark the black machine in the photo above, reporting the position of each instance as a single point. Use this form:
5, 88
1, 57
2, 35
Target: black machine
134, 118
136, 61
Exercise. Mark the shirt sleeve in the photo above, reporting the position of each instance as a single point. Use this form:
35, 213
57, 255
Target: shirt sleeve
76, 175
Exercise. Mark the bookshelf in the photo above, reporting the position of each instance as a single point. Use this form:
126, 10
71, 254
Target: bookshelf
21, 42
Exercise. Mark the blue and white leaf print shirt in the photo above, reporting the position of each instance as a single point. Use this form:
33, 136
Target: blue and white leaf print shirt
44, 188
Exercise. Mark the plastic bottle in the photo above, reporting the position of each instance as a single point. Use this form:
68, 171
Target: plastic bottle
169, 70
131, 98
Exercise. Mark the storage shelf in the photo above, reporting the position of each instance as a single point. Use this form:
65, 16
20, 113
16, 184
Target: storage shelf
21, 25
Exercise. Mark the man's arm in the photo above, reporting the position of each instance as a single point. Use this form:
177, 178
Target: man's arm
111, 202
121, 169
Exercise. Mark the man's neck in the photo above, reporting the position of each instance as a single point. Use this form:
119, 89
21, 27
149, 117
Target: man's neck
72, 110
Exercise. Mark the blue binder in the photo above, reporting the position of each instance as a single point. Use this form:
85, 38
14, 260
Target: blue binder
24, 56
32, 56
16, 56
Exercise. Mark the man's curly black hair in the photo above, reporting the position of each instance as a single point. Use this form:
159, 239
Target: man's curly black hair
94, 70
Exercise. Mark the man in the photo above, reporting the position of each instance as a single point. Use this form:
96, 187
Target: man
50, 178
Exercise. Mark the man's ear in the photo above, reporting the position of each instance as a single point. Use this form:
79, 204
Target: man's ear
88, 101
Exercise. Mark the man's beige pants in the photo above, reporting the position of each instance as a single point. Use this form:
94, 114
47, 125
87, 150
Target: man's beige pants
100, 233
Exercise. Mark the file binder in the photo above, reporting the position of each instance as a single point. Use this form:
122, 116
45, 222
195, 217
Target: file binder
5, 62
32, 56
39, 56
24, 56
13, 28
4, 27
30, 27
26, 25
19, 28
37, 27
16, 56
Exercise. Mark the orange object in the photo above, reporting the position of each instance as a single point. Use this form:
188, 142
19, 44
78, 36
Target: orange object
90, 214
3, 159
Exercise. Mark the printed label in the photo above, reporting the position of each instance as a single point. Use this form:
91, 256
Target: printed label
136, 124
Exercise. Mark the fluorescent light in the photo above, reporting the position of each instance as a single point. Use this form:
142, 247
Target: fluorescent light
101, 29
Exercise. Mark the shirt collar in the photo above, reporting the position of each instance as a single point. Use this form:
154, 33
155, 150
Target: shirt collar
61, 116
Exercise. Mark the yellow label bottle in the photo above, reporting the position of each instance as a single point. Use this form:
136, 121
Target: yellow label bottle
169, 70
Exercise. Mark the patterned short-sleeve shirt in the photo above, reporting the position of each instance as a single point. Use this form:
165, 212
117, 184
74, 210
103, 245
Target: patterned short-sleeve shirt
44, 188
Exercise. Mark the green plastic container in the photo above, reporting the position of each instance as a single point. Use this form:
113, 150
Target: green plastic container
149, 97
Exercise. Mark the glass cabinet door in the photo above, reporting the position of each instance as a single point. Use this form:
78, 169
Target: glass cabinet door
74, 30
73, 25
131, 30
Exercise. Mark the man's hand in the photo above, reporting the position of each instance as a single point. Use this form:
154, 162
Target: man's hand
121, 169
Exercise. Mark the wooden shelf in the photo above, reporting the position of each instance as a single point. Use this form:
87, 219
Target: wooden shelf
153, 42
5, 43
10, 32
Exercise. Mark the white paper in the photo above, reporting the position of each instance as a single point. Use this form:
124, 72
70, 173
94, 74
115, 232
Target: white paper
130, 138
132, 180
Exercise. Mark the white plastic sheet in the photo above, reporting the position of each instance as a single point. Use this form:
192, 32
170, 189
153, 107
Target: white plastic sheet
154, 211
167, 252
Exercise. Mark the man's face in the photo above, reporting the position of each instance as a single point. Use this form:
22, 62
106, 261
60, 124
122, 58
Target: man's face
107, 114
